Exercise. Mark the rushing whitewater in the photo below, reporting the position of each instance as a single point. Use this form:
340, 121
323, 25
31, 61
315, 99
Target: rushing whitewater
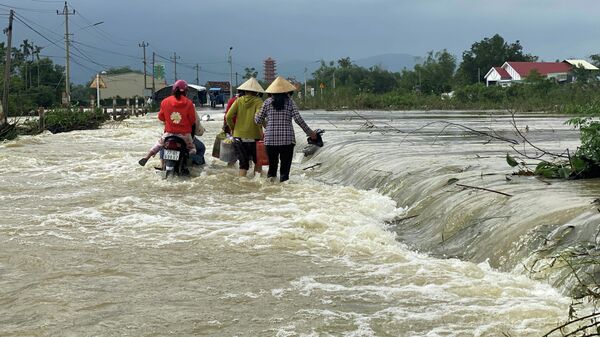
94, 244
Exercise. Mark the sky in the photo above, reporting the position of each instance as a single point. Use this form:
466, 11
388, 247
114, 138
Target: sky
202, 32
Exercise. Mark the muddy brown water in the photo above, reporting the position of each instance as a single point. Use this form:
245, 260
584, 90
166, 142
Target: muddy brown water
94, 245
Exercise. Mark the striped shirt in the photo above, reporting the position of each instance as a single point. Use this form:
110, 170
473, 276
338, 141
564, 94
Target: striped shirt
280, 130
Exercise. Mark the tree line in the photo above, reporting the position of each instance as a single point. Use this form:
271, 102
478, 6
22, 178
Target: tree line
440, 72
35, 81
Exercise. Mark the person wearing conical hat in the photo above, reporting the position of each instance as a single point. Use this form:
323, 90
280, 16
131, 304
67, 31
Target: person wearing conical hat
226, 127
279, 110
246, 132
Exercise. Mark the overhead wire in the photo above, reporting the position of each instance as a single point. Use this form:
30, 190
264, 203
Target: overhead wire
33, 23
85, 56
83, 66
78, 57
18, 17
81, 57
189, 66
35, 10
106, 51
104, 35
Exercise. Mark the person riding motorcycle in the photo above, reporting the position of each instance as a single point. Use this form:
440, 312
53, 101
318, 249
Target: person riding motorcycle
179, 115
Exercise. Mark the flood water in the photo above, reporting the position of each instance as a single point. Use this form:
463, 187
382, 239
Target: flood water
95, 245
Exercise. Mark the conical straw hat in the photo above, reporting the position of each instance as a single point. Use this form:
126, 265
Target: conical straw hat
279, 86
251, 85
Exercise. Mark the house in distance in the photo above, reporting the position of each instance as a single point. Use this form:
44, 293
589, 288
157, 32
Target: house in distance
510, 72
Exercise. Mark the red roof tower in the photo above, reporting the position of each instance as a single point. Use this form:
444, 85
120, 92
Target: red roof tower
270, 70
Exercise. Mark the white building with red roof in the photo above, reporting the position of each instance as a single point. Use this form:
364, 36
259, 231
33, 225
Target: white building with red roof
517, 71
497, 75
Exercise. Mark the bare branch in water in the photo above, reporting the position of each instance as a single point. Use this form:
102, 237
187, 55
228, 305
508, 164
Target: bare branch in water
369, 124
591, 317
484, 189
492, 134
311, 166
542, 151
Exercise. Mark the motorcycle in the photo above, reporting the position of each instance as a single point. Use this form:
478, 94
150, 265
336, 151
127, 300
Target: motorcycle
175, 156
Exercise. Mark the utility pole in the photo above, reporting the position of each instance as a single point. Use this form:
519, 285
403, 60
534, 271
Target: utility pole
153, 74
66, 13
8, 32
174, 59
98, 90
197, 74
334, 82
236, 79
144, 45
230, 73
305, 87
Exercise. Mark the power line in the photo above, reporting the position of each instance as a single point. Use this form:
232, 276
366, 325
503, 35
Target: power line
220, 62
29, 25
86, 67
52, 56
27, 9
79, 57
106, 51
82, 54
105, 35
18, 17
186, 65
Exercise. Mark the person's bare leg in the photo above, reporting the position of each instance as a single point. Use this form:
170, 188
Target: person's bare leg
258, 170
243, 173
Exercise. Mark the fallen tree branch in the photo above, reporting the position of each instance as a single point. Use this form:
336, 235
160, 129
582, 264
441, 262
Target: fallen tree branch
369, 124
491, 135
311, 166
484, 189
397, 221
544, 152
560, 327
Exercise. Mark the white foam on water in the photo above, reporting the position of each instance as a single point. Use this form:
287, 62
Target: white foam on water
104, 198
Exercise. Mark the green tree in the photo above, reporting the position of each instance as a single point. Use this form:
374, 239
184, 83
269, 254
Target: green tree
488, 53
595, 58
27, 51
24, 96
121, 70
250, 72
345, 62
584, 76
434, 76
81, 94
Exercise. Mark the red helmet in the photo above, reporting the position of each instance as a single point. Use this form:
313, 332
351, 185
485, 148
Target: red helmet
180, 85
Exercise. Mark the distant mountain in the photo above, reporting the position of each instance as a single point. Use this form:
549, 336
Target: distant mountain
391, 62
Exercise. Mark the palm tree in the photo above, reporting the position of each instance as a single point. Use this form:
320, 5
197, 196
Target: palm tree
26, 52
250, 72
36, 51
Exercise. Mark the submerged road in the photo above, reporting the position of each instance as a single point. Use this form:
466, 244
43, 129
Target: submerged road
94, 244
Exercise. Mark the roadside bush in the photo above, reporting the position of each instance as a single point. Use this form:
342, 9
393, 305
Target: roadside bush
64, 120
589, 129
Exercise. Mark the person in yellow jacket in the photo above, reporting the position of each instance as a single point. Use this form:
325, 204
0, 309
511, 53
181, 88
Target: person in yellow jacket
245, 131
